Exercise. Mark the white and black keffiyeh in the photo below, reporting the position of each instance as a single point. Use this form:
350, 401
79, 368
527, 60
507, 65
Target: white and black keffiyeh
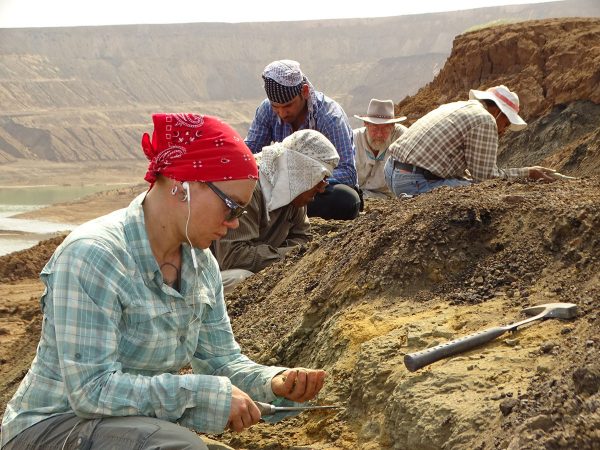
283, 81
279, 93
296, 165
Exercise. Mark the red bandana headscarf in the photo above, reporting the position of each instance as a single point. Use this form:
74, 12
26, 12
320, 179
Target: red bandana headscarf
191, 147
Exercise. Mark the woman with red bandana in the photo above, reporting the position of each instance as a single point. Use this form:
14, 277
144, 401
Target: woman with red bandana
134, 296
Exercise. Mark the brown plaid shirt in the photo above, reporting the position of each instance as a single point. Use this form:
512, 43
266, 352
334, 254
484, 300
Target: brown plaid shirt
453, 138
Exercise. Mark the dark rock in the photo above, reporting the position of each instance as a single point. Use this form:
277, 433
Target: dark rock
547, 347
507, 405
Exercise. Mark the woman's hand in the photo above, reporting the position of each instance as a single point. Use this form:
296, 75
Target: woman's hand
298, 384
243, 412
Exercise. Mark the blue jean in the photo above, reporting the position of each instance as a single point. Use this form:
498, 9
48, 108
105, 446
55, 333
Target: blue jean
403, 183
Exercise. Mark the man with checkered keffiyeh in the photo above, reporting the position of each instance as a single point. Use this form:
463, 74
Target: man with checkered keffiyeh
293, 104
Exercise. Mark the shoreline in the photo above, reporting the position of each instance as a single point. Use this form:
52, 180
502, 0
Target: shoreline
69, 214
33, 186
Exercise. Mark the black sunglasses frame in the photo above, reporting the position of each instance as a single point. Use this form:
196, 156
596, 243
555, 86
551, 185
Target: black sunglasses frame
235, 211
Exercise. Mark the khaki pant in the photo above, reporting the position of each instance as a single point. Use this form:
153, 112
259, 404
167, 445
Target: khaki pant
233, 277
68, 432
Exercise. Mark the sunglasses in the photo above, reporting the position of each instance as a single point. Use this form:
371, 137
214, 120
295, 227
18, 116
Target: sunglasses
235, 210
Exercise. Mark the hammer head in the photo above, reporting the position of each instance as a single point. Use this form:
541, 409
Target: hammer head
558, 310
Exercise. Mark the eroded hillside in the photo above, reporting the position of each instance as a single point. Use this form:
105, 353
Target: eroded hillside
86, 93
554, 66
415, 273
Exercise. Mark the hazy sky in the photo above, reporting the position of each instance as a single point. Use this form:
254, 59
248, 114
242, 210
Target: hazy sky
57, 13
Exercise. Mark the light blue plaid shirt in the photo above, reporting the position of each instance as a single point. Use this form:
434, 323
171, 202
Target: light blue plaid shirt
114, 336
331, 121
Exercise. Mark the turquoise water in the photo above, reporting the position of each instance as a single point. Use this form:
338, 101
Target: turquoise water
18, 234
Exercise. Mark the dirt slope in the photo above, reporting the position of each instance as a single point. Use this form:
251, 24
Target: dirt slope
415, 273
548, 62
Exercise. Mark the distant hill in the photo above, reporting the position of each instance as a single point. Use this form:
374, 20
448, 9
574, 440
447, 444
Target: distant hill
86, 93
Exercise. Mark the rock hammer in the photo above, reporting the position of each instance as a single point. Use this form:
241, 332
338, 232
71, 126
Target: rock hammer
417, 360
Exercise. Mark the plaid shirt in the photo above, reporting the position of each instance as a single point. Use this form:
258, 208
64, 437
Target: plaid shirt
331, 121
453, 138
115, 336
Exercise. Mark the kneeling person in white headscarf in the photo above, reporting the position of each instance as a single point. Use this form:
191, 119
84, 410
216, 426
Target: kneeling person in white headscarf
291, 173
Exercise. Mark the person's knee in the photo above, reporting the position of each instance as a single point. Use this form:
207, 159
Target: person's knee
176, 437
232, 277
148, 433
347, 202
180, 439
339, 202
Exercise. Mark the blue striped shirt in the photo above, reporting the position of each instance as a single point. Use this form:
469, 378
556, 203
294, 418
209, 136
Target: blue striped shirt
331, 121
115, 336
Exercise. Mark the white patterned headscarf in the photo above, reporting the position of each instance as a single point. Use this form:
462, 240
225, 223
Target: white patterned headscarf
283, 81
295, 165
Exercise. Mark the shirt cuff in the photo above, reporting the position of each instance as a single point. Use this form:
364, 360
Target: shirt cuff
209, 406
266, 390
270, 397
521, 172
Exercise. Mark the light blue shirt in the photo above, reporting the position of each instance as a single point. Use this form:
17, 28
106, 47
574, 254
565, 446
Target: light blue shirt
331, 121
115, 336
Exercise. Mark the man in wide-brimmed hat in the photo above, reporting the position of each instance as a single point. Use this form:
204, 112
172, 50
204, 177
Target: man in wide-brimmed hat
293, 104
440, 147
372, 141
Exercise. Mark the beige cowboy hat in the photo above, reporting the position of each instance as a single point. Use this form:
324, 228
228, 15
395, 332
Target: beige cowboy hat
506, 100
380, 112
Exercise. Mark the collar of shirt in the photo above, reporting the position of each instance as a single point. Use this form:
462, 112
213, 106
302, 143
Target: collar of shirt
137, 238
380, 156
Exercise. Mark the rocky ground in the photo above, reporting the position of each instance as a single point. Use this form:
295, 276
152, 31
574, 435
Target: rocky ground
411, 274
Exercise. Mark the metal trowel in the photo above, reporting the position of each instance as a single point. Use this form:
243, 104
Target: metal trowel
415, 361
560, 176
267, 409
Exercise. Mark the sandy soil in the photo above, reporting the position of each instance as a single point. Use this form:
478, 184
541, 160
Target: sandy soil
413, 274
406, 275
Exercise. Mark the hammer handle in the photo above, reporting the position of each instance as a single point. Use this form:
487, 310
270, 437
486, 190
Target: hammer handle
417, 360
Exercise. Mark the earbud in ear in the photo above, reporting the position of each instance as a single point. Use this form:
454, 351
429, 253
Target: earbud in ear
186, 188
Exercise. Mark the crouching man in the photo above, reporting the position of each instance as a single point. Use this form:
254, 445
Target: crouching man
291, 174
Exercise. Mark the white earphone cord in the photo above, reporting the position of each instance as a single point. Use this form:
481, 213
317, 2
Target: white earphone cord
186, 186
